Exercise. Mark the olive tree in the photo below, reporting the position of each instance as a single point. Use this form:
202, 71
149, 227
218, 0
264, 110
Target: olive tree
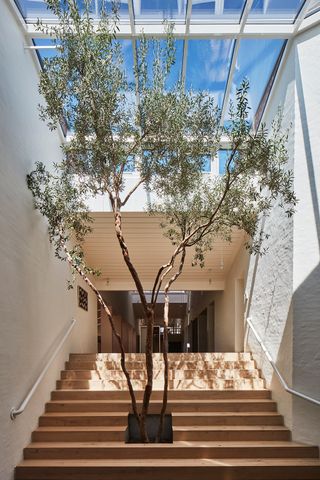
167, 132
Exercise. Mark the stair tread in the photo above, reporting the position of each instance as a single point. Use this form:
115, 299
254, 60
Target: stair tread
175, 428
174, 414
80, 428
121, 401
160, 463
228, 427
176, 444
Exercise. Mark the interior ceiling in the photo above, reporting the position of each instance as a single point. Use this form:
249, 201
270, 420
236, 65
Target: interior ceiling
177, 310
149, 249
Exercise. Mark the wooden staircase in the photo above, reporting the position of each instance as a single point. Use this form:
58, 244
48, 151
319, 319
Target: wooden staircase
225, 424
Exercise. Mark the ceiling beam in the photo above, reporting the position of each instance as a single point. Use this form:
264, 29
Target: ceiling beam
195, 30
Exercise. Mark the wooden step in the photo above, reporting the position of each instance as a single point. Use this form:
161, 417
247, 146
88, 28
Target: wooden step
230, 433
118, 450
79, 434
225, 418
191, 419
140, 365
156, 395
177, 357
194, 384
160, 469
223, 374
69, 419
155, 406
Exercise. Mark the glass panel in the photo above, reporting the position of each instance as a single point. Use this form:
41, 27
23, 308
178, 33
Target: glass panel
175, 73
226, 11
206, 165
130, 165
48, 52
32, 9
223, 156
314, 7
278, 11
256, 61
208, 66
158, 10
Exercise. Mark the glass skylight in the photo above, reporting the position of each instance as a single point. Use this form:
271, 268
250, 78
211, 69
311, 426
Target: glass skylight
217, 10
278, 11
157, 10
208, 66
33, 9
256, 60
175, 73
208, 33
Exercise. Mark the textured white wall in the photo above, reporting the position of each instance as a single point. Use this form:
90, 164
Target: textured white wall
284, 286
228, 308
35, 305
306, 240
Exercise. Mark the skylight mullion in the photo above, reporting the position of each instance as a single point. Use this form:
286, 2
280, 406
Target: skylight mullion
131, 17
301, 15
243, 22
185, 46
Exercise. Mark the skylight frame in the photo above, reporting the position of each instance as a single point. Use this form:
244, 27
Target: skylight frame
187, 30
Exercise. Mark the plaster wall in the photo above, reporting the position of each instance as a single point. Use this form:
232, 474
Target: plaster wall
306, 240
283, 287
36, 307
227, 313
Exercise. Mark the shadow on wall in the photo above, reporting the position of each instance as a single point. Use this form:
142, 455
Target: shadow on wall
306, 358
308, 148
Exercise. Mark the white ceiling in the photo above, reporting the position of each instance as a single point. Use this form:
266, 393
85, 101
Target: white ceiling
149, 250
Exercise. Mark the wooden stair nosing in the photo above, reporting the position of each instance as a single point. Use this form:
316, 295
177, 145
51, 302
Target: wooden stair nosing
72, 450
157, 469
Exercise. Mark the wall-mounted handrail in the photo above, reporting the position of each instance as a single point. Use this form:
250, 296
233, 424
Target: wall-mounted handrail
275, 368
14, 412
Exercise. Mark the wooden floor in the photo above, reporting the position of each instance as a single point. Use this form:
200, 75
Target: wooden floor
225, 425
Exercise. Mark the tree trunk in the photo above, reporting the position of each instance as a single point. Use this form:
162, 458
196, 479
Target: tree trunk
165, 342
149, 367
115, 332
149, 317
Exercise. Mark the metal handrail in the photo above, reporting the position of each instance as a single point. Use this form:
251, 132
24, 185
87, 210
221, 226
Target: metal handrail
275, 368
14, 412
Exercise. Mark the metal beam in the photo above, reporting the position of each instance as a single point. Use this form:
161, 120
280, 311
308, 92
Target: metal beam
243, 21
215, 30
185, 46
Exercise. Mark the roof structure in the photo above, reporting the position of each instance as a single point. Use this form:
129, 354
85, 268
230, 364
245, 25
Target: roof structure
219, 42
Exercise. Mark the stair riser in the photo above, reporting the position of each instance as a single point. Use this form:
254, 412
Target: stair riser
172, 357
243, 384
173, 375
236, 435
195, 420
84, 422
80, 365
73, 436
174, 453
155, 408
247, 420
156, 395
223, 472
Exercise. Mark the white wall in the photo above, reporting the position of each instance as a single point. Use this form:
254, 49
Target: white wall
35, 304
228, 307
284, 285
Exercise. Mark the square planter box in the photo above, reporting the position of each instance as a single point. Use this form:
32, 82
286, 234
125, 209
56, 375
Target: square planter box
152, 425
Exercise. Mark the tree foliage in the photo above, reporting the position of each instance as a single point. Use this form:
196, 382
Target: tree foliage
165, 132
